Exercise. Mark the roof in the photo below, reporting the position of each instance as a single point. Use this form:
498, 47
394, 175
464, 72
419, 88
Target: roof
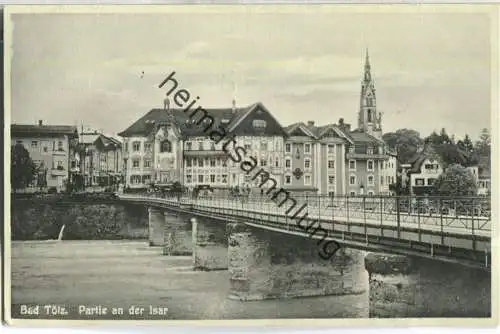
418, 158
234, 121
316, 132
109, 141
40, 130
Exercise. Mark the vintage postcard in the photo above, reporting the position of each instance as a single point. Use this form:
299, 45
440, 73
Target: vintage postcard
287, 164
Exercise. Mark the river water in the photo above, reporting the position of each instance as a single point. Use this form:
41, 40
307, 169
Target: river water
127, 273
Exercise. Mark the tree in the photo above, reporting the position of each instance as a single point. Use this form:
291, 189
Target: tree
23, 169
405, 142
456, 181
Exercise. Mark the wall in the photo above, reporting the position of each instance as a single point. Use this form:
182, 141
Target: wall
409, 287
42, 221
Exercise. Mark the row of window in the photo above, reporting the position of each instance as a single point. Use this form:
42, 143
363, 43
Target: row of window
307, 148
165, 146
421, 182
369, 165
56, 145
212, 178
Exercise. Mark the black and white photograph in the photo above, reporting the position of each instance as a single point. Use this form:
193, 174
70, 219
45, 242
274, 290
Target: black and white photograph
246, 162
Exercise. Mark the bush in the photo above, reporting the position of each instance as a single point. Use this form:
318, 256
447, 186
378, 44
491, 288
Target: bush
456, 181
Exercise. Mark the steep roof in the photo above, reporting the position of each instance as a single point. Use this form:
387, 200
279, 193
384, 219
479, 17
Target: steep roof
40, 130
316, 131
418, 159
232, 120
108, 141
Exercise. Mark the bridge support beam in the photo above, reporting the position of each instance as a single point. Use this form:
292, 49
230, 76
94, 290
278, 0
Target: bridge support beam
209, 245
177, 235
405, 287
266, 265
156, 227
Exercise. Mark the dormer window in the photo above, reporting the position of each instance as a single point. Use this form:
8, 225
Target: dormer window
166, 146
224, 121
369, 150
351, 149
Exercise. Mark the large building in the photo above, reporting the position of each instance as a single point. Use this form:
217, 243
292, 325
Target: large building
170, 145
51, 149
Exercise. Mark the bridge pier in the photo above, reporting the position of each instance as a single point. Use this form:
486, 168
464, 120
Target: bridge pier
406, 287
265, 265
156, 227
209, 245
177, 235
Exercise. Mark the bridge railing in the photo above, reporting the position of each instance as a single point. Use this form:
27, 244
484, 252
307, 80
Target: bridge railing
426, 212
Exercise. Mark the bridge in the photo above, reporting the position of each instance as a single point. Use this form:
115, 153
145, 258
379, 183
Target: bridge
273, 251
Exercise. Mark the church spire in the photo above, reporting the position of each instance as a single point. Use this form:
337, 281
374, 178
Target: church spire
368, 120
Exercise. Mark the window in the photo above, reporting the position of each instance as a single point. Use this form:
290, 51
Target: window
352, 164
277, 162
370, 193
307, 148
135, 179
248, 147
388, 180
200, 178
189, 178
331, 179
352, 193
369, 165
200, 163
352, 180
135, 163
430, 182
60, 146
136, 146
259, 124
147, 163
307, 164
419, 182
166, 146
288, 179
288, 148
263, 146
234, 178
188, 162
288, 163
45, 149
382, 165
370, 180
189, 146
224, 178
307, 179
146, 178
381, 180
331, 193
34, 145
212, 146
212, 178
351, 149
331, 149
331, 164
224, 162
369, 150
200, 146
212, 162
263, 162
147, 147
126, 147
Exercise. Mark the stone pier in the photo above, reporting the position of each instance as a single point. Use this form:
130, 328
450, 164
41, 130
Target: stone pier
265, 265
403, 287
178, 240
209, 245
156, 227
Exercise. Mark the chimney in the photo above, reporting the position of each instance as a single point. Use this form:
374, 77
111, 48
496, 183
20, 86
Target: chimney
341, 121
166, 103
40, 122
234, 105
310, 123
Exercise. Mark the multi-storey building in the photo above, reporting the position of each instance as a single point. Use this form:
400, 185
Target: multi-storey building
315, 159
100, 158
169, 145
51, 149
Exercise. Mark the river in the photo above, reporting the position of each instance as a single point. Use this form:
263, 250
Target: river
126, 273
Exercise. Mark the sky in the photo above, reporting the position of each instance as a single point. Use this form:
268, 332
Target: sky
431, 69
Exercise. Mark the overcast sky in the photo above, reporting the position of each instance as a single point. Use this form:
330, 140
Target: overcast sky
430, 70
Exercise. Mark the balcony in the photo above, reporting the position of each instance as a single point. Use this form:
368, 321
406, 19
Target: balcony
204, 153
354, 155
58, 172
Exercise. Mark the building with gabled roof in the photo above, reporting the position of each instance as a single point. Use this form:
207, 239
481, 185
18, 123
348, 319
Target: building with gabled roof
51, 147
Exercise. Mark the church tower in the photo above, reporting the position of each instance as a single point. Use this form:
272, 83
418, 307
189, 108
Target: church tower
369, 120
